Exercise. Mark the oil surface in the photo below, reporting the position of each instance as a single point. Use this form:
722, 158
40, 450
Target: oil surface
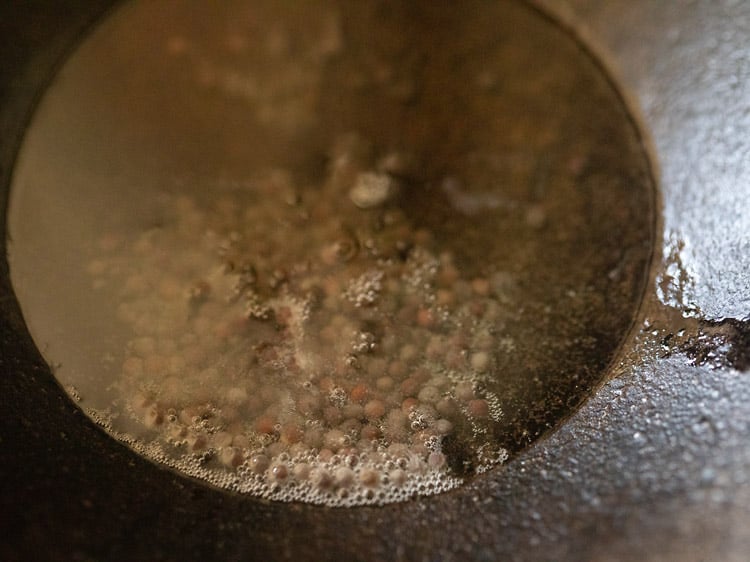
325, 253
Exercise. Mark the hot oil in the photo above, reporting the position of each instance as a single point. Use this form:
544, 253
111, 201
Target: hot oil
330, 254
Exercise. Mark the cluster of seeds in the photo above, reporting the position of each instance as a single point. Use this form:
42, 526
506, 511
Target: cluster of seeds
307, 342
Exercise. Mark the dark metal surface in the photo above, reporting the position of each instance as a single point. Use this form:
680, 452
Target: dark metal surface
655, 466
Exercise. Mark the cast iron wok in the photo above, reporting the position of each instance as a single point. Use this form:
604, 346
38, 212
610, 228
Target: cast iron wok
654, 466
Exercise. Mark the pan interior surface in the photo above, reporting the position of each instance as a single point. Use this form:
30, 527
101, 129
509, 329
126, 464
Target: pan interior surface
330, 253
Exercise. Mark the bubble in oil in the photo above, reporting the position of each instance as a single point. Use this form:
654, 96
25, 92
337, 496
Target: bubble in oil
283, 254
